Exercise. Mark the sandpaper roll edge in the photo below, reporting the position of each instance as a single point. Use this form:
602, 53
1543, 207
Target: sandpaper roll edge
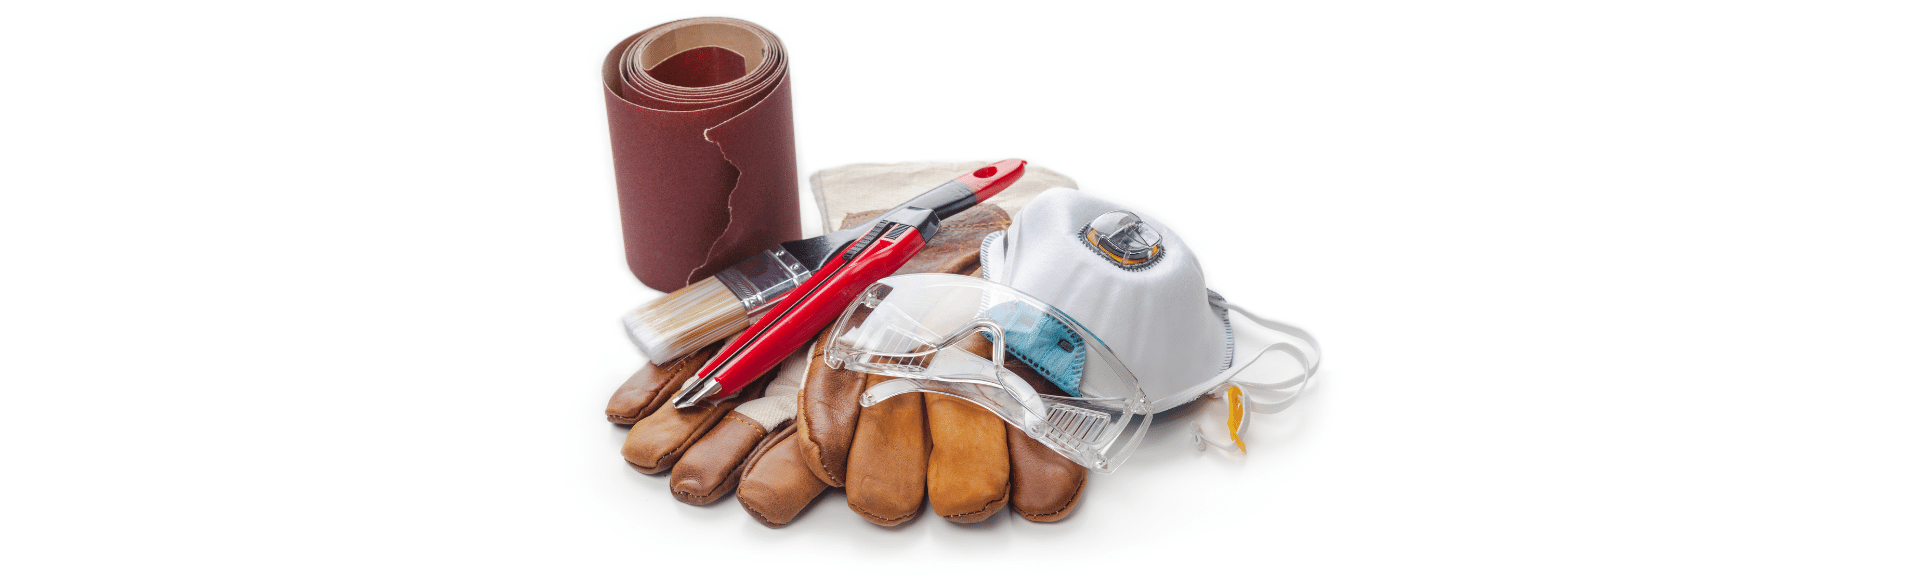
705, 168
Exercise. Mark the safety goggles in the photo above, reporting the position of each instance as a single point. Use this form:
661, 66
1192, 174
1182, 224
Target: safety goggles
1080, 400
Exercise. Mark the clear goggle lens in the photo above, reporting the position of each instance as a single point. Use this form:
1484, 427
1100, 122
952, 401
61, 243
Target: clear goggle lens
1075, 396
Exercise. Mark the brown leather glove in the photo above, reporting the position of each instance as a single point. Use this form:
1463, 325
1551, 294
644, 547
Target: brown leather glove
897, 455
716, 446
959, 457
712, 437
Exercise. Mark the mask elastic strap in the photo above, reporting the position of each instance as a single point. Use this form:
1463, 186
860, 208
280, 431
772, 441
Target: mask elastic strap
1289, 390
1240, 393
1309, 363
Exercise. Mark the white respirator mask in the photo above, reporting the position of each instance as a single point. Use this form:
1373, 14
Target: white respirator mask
1102, 304
1130, 280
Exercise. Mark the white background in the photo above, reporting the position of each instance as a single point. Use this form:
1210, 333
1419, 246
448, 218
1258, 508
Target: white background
1610, 289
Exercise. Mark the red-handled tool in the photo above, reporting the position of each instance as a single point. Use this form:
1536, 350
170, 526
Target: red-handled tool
802, 313
809, 308
706, 311
853, 265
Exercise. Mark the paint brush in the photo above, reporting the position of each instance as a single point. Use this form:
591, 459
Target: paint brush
714, 308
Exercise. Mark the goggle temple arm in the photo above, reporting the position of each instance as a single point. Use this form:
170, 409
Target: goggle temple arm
1009, 385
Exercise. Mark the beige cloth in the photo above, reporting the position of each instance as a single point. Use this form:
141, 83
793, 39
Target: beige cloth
851, 189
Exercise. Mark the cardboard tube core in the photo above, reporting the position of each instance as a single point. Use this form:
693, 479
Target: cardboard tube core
732, 38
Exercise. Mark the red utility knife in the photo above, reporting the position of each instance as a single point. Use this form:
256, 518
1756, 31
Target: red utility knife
887, 245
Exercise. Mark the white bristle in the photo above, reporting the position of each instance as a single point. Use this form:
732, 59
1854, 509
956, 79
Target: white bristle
685, 320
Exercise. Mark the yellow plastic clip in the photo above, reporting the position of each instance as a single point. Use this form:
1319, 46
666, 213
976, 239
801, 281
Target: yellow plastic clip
1236, 415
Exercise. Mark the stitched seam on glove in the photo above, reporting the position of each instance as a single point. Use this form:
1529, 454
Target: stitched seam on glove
875, 516
994, 505
748, 505
637, 413
682, 447
1070, 503
697, 498
813, 446
757, 428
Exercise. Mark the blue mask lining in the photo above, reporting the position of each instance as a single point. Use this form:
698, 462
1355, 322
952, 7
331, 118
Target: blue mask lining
1041, 341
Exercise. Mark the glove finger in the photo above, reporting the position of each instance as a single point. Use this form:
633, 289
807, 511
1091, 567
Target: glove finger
711, 468
775, 483
829, 414
1046, 485
657, 441
967, 467
881, 453
967, 470
887, 467
650, 386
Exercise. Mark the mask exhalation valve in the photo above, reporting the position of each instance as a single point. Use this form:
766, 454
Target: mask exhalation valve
1123, 238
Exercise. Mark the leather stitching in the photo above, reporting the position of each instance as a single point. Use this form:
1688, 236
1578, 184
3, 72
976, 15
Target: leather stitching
746, 469
873, 516
1075, 500
644, 408
639, 466
736, 418
670, 371
746, 505
677, 450
703, 498
809, 447
697, 499
991, 506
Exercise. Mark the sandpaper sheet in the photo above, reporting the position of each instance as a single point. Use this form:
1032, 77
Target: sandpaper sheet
701, 116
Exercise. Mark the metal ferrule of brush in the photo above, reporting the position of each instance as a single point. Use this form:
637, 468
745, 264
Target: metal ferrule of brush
759, 281
695, 389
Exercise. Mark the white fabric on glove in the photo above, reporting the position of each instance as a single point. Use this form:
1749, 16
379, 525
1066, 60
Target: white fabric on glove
781, 402
849, 189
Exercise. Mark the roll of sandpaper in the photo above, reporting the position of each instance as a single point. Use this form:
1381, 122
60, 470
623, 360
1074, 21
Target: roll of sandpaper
701, 117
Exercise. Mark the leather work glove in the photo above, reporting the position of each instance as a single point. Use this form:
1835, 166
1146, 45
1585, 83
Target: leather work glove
960, 457
964, 457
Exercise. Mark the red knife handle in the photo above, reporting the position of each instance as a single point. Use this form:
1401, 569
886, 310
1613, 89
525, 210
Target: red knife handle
963, 192
993, 179
817, 303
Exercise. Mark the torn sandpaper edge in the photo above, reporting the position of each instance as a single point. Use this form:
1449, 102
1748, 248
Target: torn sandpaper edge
701, 119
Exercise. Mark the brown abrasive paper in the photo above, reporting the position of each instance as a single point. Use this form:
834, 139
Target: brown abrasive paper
701, 117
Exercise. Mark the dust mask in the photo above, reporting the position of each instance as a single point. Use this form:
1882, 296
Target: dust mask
1110, 320
1131, 280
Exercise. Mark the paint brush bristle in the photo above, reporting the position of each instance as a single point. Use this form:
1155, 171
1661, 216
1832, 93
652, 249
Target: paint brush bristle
685, 320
